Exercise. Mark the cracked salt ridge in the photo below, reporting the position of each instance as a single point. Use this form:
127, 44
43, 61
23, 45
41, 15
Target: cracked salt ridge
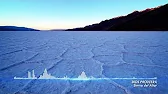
22, 48
17, 64
10, 52
126, 52
102, 69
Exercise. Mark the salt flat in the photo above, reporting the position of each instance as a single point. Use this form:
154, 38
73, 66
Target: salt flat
98, 54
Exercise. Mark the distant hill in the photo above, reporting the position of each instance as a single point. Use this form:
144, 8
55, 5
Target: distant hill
14, 28
57, 30
154, 19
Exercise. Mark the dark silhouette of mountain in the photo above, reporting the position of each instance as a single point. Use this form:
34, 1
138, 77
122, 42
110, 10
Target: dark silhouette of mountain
153, 19
57, 30
14, 28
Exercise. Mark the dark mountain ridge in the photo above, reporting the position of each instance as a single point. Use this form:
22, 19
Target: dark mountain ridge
154, 20
149, 19
15, 28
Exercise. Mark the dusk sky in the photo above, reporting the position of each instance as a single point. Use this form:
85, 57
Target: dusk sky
63, 14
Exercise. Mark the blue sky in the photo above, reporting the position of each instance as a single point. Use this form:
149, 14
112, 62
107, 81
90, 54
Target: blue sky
63, 14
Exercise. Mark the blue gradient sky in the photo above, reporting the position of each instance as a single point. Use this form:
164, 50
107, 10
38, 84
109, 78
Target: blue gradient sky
63, 14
